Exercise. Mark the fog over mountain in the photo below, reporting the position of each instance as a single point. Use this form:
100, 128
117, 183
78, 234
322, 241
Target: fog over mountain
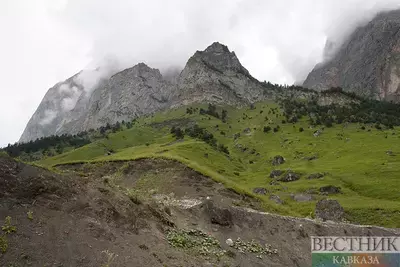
47, 41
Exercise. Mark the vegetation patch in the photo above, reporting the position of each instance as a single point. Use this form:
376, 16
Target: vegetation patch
196, 241
253, 247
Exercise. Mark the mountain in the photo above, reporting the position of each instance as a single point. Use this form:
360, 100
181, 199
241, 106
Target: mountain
214, 75
368, 63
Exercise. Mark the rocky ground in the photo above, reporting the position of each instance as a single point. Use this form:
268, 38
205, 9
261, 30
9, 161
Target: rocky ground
144, 213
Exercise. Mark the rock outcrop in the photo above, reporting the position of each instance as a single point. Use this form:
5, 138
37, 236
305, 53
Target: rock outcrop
214, 75
368, 63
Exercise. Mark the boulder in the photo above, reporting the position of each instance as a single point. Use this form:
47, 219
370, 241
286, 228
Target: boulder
260, 191
218, 215
315, 176
329, 210
330, 189
290, 177
278, 160
229, 242
275, 173
276, 199
317, 133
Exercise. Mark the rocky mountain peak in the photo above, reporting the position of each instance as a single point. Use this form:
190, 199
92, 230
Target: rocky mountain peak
217, 47
139, 70
218, 58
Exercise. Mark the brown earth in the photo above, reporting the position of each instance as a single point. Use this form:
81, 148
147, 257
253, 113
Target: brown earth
128, 208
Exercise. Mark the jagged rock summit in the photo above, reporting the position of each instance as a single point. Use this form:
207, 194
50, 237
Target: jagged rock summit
368, 63
214, 75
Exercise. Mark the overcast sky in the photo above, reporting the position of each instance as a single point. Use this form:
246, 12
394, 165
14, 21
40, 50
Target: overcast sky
46, 41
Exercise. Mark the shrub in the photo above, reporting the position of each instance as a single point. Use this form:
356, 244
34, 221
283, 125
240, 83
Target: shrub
267, 129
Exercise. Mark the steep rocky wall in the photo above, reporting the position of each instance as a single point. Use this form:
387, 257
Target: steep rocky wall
367, 63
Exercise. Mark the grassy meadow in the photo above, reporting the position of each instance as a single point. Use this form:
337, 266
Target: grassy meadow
364, 163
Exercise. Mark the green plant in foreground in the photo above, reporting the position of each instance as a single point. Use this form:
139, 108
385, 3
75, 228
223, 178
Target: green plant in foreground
3, 244
110, 257
30, 215
7, 227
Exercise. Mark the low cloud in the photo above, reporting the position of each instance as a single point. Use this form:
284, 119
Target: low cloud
49, 116
71, 96
278, 41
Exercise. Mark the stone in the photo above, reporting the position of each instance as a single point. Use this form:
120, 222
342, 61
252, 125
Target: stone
229, 242
315, 176
276, 199
260, 191
290, 177
275, 173
330, 189
218, 215
247, 130
278, 160
317, 133
329, 210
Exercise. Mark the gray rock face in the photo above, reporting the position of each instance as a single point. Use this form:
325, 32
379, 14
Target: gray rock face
368, 63
214, 75
53, 109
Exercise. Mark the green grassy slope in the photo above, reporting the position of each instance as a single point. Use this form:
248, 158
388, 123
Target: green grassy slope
355, 160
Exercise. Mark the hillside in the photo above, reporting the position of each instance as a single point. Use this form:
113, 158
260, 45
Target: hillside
367, 63
149, 212
355, 163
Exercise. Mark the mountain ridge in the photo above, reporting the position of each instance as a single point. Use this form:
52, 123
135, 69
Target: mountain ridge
214, 75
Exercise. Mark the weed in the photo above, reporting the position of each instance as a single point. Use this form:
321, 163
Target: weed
3, 244
7, 227
30, 215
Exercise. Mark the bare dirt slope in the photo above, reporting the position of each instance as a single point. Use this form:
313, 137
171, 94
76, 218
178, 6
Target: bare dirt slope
149, 213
